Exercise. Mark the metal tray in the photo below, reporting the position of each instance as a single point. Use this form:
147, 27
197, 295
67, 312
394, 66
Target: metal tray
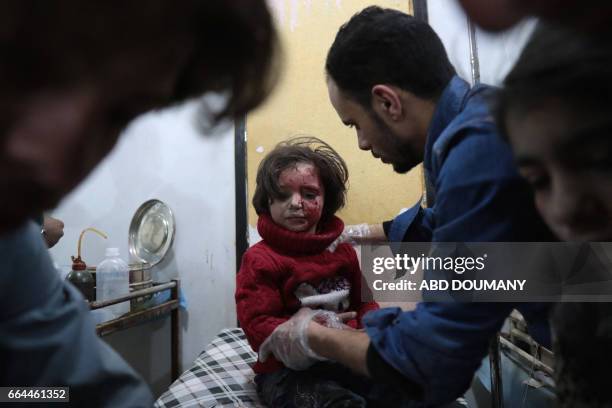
151, 232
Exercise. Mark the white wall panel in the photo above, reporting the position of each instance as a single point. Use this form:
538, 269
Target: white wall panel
162, 155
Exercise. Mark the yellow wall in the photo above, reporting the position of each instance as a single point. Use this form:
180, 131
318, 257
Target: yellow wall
300, 105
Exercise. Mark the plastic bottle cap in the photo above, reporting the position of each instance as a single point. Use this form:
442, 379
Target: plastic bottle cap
112, 252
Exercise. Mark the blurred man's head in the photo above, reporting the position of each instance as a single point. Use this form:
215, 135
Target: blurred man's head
555, 111
385, 73
74, 73
587, 15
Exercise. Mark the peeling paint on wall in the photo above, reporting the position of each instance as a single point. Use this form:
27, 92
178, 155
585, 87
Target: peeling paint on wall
279, 10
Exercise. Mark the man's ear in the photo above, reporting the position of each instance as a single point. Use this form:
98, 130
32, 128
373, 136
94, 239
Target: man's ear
386, 101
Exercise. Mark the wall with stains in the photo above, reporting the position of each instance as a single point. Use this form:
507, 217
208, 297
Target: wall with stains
300, 105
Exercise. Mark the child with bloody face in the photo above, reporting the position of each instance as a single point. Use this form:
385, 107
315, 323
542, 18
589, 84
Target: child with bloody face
301, 183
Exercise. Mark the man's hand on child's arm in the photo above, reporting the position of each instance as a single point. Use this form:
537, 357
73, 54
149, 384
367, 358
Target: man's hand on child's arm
289, 343
347, 347
357, 234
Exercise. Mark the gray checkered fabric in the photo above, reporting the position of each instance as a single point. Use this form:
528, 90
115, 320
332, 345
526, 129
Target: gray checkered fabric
220, 377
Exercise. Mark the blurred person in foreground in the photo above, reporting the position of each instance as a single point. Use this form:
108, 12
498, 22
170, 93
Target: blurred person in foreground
593, 16
74, 74
554, 110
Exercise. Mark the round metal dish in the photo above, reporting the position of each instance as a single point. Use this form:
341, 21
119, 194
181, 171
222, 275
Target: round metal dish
151, 232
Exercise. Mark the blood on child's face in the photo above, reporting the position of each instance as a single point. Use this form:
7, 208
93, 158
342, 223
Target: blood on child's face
301, 209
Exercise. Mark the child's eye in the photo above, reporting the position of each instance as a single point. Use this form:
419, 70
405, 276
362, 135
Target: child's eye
310, 196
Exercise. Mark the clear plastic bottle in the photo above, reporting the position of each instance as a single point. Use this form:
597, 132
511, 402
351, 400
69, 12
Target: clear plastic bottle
113, 281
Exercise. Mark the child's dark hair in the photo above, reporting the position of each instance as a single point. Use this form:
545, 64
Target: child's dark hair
557, 64
331, 167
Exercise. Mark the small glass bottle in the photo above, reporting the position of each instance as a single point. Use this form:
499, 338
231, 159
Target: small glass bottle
113, 281
80, 277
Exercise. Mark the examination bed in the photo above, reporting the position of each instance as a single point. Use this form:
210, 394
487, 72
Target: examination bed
221, 376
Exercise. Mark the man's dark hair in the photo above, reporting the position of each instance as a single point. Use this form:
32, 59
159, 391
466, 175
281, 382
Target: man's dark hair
331, 167
384, 46
557, 64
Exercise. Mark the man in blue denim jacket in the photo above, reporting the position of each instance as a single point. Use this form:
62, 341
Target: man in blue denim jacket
390, 78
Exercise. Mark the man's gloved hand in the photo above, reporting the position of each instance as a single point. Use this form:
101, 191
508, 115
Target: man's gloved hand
289, 341
352, 234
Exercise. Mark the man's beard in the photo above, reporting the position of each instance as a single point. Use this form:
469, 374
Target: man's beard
405, 158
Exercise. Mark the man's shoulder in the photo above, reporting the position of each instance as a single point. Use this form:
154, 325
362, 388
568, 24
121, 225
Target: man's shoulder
472, 134
474, 119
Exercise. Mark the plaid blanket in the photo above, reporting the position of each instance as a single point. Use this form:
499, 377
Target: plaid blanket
220, 377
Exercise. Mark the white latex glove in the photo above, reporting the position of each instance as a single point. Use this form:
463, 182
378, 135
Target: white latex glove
351, 235
289, 341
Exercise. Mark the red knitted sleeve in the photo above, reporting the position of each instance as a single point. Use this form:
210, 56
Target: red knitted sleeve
258, 299
356, 284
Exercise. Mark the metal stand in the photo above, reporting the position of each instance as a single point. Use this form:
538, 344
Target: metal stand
133, 319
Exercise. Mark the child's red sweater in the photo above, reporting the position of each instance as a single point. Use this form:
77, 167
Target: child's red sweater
288, 270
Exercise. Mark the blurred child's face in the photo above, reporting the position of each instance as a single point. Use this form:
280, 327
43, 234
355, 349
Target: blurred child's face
567, 158
301, 210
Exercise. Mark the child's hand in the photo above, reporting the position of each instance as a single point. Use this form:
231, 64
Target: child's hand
347, 316
334, 320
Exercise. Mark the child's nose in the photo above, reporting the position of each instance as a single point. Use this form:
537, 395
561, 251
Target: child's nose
296, 200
